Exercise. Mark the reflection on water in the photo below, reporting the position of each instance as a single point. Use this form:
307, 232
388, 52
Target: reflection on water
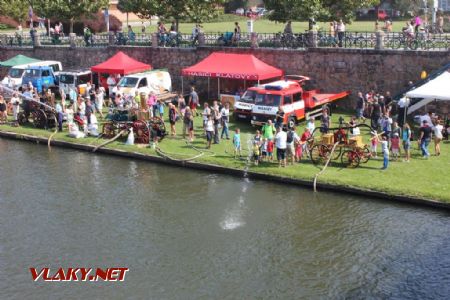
188, 234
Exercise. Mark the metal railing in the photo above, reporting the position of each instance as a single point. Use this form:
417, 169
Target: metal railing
321, 39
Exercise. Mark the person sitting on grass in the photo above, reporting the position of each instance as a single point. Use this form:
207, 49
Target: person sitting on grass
237, 142
395, 146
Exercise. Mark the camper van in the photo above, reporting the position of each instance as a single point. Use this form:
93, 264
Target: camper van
16, 73
157, 81
74, 79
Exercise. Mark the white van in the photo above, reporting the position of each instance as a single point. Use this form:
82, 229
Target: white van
74, 79
16, 73
157, 81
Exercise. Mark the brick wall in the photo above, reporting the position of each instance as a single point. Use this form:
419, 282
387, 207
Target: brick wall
334, 69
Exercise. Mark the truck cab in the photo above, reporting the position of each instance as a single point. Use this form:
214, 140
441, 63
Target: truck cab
42, 78
296, 94
74, 79
243, 106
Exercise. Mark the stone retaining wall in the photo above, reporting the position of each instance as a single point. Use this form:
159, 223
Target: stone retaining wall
334, 69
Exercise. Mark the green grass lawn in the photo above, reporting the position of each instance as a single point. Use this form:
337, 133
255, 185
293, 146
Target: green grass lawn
266, 26
420, 177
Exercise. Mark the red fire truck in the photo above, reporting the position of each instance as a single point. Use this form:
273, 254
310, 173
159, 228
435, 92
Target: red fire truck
295, 94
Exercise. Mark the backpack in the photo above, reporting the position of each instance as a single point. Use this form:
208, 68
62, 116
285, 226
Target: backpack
290, 137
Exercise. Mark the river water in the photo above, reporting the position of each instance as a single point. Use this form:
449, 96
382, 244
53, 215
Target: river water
193, 235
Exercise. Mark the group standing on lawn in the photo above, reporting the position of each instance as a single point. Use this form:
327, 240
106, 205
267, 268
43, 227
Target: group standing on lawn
272, 140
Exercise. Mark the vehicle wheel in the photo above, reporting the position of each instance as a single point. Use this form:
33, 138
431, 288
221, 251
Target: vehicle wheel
141, 132
364, 155
319, 154
350, 158
337, 153
108, 130
22, 118
39, 119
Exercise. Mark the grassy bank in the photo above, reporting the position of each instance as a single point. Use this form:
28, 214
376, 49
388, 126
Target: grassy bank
266, 26
419, 178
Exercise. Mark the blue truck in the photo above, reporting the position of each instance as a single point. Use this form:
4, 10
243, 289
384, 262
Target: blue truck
42, 78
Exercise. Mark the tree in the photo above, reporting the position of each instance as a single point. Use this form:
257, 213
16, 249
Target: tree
412, 6
67, 9
16, 9
127, 6
232, 5
194, 10
325, 10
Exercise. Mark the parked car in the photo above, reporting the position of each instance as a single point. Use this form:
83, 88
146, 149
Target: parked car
240, 11
157, 81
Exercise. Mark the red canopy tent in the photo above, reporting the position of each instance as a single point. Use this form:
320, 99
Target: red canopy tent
232, 66
121, 64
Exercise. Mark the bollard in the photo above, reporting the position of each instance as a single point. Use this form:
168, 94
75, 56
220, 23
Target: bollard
201, 39
73, 40
312, 39
35, 38
379, 40
154, 40
254, 40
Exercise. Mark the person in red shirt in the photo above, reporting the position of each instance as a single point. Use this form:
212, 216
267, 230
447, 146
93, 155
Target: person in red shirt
303, 142
269, 150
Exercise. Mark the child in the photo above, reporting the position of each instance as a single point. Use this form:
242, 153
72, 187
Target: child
385, 150
395, 146
269, 150
161, 108
255, 149
237, 142
264, 149
374, 144
304, 141
15, 100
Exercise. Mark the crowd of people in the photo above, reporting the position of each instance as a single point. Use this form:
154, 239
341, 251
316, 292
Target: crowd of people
270, 142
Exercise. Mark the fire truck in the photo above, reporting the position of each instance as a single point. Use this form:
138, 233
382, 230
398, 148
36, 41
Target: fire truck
295, 94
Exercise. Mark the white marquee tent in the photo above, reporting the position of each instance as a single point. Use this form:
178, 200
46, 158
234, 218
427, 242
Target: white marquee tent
436, 89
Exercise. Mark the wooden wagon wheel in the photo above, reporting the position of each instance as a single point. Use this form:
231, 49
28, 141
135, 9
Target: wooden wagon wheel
51, 119
142, 132
319, 154
39, 118
108, 130
158, 123
22, 118
350, 158
364, 154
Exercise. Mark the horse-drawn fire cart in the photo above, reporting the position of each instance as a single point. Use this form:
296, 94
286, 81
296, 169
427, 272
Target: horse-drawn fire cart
340, 144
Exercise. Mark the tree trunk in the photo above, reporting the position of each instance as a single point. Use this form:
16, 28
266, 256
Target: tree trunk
71, 25
127, 19
177, 22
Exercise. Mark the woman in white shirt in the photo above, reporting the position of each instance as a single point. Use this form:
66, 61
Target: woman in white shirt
209, 128
437, 132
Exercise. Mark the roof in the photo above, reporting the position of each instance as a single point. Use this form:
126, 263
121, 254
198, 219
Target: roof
437, 88
122, 64
234, 66
18, 60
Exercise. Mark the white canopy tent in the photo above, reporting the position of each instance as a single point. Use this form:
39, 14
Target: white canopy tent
438, 88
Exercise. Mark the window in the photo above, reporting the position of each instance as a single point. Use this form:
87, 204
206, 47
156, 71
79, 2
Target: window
45, 73
248, 97
82, 79
65, 78
55, 67
15, 73
128, 82
288, 99
268, 99
297, 97
142, 83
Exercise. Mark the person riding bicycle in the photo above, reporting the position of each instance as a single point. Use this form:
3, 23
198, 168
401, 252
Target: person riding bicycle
409, 30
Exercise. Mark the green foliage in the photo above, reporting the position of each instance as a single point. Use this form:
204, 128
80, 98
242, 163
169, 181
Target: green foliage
231, 5
16, 9
326, 10
67, 9
193, 10
5, 26
413, 6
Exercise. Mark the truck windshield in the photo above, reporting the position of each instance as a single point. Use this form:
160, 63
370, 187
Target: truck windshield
268, 100
15, 73
248, 97
67, 79
32, 73
128, 82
